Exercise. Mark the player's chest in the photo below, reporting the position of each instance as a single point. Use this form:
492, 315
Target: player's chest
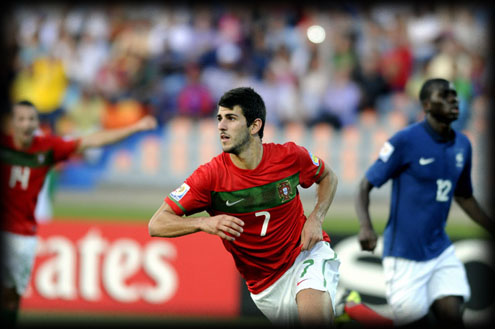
264, 195
438, 162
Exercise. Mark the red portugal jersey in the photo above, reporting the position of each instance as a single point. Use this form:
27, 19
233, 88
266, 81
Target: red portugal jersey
265, 198
22, 176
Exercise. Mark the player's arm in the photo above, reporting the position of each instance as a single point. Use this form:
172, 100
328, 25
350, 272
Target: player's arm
472, 208
367, 236
312, 230
111, 136
165, 223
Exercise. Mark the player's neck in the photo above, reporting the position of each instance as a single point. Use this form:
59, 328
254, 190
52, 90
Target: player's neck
442, 128
21, 144
249, 158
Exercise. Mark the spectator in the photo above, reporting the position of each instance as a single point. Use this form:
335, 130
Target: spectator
43, 83
340, 101
195, 100
84, 116
370, 80
312, 87
221, 75
121, 112
397, 61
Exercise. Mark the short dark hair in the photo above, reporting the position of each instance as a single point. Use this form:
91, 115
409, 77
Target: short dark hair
249, 101
429, 86
24, 103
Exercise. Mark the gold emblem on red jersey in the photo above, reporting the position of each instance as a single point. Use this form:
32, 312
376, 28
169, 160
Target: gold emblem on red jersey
284, 190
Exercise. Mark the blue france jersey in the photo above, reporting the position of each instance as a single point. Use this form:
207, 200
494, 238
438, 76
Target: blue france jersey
426, 173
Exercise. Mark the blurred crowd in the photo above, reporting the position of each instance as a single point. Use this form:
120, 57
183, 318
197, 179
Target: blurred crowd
91, 67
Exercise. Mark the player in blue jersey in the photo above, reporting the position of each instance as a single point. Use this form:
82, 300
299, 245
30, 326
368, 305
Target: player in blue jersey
429, 164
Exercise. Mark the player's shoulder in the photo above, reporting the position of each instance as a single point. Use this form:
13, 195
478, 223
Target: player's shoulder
276, 147
47, 137
412, 129
407, 134
41, 139
214, 164
462, 137
281, 151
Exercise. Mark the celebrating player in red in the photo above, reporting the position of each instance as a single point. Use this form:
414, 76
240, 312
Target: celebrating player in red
250, 192
25, 159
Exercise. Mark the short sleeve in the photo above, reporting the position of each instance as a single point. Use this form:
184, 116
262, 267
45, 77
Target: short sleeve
310, 166
63, 148
390, 161
194, 195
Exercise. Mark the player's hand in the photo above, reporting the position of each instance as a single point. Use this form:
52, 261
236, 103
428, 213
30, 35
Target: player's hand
225, 226
311, 233
367, 238
148, 122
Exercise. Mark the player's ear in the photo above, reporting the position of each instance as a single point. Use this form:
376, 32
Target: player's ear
426, 105
256, 126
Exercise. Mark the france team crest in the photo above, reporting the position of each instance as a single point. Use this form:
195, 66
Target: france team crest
459, 160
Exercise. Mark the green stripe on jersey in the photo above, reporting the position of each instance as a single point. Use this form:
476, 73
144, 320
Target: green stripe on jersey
177, 203
256, 198
33, 160
319, 167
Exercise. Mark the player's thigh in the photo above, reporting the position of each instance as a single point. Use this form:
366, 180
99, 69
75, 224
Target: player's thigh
314, 306
19, 252
448, 278
277, 301
406, 284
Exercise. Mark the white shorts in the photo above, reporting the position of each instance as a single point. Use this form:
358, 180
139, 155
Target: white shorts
412, 287
18, 256
316, 269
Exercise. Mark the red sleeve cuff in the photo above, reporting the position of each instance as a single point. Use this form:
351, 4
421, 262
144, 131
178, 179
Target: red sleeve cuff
175, 205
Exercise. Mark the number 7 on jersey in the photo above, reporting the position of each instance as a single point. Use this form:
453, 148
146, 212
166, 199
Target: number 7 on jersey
265, 222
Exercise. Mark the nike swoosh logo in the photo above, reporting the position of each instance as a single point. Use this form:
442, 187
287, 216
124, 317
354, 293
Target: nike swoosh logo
230, 204
301, 282
423, 161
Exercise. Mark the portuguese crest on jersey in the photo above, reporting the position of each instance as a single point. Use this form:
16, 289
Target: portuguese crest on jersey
284, 190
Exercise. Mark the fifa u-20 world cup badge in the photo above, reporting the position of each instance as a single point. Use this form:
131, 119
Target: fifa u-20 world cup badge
180, 192
314, 158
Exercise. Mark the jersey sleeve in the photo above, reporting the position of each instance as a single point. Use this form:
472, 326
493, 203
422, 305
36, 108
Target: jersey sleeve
464, 186
390, 160
194, 195
310, 166
63, 148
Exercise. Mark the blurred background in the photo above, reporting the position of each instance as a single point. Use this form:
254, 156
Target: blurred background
338, 79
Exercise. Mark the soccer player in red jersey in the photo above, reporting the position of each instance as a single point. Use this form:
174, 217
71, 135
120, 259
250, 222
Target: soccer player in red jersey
25, 159
251, 193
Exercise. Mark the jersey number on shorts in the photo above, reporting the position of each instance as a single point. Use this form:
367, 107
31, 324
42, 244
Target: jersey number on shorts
309, 262
443, 189
19, 174
265, 222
